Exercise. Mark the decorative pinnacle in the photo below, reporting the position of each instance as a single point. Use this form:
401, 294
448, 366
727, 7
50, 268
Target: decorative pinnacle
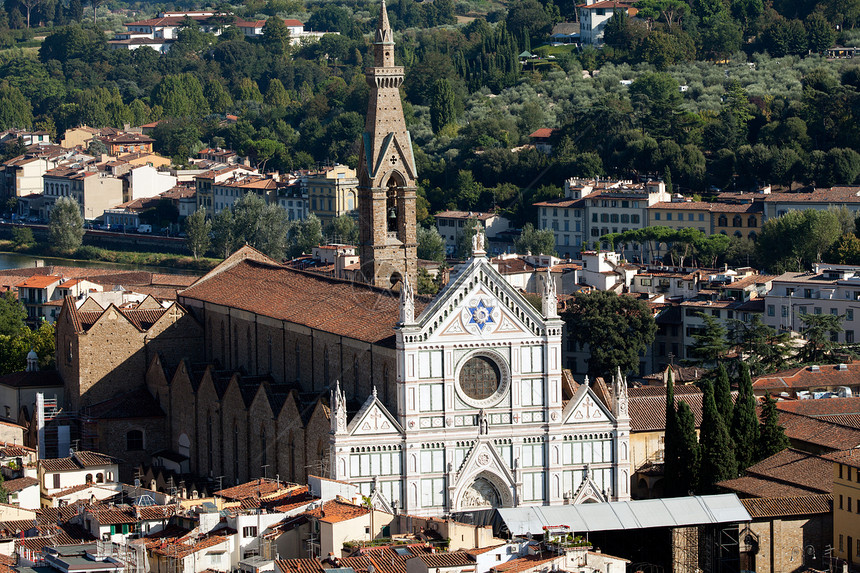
383, 29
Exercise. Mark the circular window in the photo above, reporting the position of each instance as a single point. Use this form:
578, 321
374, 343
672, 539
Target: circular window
480, 378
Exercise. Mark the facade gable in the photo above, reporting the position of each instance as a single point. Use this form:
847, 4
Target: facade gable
373, 419
586, 408
480, 302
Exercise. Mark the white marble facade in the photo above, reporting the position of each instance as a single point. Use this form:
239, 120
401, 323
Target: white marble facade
482, 419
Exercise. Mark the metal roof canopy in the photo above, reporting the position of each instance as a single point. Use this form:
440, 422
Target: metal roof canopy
616, 515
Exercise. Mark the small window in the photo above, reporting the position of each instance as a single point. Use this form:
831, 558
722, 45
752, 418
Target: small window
134, 440
250, 531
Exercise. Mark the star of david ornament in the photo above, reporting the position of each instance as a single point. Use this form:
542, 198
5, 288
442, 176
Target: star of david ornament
481, 315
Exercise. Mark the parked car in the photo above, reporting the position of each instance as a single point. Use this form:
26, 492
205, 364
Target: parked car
144, 228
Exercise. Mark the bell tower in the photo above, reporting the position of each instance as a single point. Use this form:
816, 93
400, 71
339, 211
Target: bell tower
386, 173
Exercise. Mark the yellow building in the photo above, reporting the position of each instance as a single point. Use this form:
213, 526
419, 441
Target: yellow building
332, 193
681, 215
737, 219
846, 505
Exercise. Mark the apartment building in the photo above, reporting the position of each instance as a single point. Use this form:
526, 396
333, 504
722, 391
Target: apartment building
846, 506
332, 192
594, 208
293, 199
827, 289
226, 193
205, 182
94, 190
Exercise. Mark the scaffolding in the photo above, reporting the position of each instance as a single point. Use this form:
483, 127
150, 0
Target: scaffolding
685, 549
132, 556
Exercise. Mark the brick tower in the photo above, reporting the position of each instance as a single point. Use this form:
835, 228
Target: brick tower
386, 173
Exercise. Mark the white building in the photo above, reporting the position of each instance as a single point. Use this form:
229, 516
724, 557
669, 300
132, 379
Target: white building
828, 289
486, 417
594, 15
146, 181
80, 468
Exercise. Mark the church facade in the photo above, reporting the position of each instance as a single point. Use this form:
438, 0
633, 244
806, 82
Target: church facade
485, 417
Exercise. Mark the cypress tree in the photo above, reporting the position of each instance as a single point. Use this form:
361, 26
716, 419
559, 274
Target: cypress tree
723, 394
671, 459
718, 459
772, 438
744, 429
688, 451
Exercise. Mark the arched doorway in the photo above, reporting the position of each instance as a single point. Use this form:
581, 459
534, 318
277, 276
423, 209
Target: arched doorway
482, 493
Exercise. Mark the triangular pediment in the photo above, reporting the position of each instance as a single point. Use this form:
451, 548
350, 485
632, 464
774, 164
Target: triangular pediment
484, 458
480, 303
373, 419
586, 408
588, 492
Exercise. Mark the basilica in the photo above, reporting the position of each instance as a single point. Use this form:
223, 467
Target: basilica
430, 405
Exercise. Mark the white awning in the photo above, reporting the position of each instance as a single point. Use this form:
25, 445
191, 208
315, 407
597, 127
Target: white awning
617, 515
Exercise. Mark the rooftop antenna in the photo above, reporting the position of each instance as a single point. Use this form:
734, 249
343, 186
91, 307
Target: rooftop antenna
265, 471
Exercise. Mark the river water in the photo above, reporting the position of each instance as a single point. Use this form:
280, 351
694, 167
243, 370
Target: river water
15, 261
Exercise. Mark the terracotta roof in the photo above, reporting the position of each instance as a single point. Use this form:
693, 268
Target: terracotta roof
73, 489
77, 460
788, 506
299, 566
335, 511
453, 559
850, 457
648, 408
542, 133
465, 215
523, 563
819, 432
252, 489
562, 202
823, 407
181, 550
798, 470
821, 195
39, 282
337, 306
13, 485
802, 378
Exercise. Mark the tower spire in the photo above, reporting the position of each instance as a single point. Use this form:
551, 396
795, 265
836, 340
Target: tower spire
383, 30
386, 173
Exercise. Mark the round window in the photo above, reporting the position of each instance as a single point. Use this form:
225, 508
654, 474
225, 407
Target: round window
480, 378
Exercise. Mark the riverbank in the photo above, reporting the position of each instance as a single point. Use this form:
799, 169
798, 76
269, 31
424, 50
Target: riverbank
131, 258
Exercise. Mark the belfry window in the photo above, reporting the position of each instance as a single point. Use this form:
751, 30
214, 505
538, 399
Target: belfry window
391, 206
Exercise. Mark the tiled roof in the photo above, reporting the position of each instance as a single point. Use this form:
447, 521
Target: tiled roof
802, 378
127, 514
337, 306
648, 406
465, 215
335, 511
181, 550
77, 460
299, 566
522, 563
850, 457
252, 489
542, 133
817, 408
794, 468
453, 559
819, 432
39, 282
14, 485
71, 490
820, 195
788, 506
